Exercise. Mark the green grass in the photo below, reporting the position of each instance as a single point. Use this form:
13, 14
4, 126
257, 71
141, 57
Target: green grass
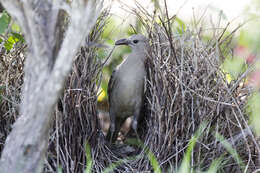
185, 166
231, 150
89, 159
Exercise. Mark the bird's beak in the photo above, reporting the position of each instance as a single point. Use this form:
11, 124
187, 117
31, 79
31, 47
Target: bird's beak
122, 42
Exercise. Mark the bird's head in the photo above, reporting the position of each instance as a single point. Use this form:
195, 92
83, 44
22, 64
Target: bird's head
136, 42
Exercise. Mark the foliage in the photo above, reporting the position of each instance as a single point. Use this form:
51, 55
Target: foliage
234, 66
185, 164
4, 22
249, 42
13, 35
215, 166
89, 159
180, 26
254, 110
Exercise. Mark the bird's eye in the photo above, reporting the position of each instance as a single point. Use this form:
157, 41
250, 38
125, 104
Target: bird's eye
135, 41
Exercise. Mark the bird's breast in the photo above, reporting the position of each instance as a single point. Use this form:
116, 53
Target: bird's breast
131, 86
130, 89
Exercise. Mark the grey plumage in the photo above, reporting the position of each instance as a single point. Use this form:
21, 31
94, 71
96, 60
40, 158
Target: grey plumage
126, 86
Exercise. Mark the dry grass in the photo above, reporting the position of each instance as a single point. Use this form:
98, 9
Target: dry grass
189, 89
76, 122
185, 87
11, 79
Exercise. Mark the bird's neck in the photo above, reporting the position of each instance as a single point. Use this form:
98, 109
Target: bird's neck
138, 56
133, 61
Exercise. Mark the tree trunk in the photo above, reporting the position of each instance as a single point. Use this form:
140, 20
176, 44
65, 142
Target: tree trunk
44, 75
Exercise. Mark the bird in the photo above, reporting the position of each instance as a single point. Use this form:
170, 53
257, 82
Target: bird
126, 86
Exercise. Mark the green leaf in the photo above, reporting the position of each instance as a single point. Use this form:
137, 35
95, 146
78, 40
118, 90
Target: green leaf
10, 42
59, 170
231, 150
101, 53
215, 165
110, 41
130, 31
234, 66
18, 36
253, 108
89, 159
153, 161
112, 166
181, 27
4, 22
185, 164
15, 27
243, 38
151, 157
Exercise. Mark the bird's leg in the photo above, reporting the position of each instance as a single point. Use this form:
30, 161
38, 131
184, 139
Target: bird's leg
118, 124
111, 131
115, 126
135, 130
135, 123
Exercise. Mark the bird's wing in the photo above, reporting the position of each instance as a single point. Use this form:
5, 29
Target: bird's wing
111, 84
